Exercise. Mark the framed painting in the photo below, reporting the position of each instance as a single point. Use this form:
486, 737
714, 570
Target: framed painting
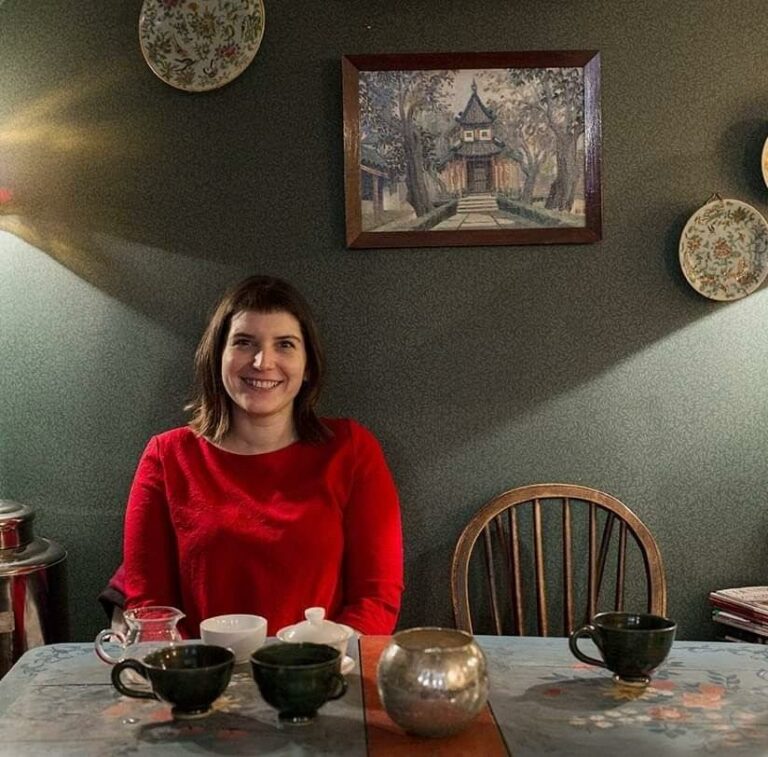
474, 149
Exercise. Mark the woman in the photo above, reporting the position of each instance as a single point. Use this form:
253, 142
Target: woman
258, 506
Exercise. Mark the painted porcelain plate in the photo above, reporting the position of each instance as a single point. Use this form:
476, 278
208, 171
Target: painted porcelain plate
197, 45
764, 162
724, 249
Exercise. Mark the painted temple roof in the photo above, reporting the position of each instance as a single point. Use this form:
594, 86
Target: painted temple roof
475, 114
478, 149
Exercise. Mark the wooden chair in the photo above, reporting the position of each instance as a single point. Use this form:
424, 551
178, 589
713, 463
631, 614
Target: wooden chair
514, 571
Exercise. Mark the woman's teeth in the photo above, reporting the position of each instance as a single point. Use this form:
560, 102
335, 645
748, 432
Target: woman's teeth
260, 383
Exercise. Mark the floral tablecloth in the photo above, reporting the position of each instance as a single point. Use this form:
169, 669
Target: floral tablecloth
707, 698
58, 700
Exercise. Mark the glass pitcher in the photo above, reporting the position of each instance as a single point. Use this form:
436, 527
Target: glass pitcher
149, 628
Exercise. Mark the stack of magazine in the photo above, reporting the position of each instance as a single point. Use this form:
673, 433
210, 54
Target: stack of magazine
741, 614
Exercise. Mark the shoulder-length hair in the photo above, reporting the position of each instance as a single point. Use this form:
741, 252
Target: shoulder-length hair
211, 406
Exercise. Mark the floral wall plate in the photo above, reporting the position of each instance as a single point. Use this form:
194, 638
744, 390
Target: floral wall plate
724, 249
764, 162
197, 45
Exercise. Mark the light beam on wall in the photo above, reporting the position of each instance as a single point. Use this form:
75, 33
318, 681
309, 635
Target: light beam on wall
60, 154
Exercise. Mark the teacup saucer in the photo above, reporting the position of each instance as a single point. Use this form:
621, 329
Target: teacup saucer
347, 665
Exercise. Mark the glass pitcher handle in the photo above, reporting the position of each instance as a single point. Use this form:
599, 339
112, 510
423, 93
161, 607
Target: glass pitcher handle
104, 637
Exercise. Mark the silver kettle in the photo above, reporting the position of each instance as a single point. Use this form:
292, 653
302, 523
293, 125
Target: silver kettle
33, 586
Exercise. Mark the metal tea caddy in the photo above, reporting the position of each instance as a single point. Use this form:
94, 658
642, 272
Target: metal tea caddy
33, 588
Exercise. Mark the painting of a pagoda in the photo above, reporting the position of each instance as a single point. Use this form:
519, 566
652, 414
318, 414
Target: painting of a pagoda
471, 149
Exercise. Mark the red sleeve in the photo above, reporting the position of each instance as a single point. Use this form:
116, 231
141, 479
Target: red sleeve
373, 551
149, 546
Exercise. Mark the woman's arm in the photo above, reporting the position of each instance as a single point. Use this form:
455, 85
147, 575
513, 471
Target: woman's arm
112, 596
149, 546
373, 546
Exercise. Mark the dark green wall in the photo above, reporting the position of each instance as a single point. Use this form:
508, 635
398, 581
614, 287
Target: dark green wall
479, 369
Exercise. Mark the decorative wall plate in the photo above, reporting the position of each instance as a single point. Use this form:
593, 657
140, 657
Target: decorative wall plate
724, 249
197, 45
764, 162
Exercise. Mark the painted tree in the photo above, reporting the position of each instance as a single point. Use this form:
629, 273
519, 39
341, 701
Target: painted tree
534, 145
527, 137
558, 95
394, 106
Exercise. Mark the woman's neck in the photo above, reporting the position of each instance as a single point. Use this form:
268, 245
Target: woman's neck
247, 436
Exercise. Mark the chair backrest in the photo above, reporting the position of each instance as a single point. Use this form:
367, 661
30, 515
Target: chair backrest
515, 571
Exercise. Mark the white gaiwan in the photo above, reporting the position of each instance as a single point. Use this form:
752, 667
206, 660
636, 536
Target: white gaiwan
318, 630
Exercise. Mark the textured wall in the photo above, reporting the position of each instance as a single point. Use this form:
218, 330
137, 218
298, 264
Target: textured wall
479, 369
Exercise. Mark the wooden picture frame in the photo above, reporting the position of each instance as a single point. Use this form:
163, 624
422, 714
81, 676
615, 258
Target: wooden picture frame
472, 149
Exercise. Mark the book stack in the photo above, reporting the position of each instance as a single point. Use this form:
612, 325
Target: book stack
741, 614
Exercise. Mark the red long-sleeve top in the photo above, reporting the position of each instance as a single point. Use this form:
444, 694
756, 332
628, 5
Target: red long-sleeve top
214, 532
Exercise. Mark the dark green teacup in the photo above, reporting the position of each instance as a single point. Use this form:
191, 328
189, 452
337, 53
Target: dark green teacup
632, 645
298, 679
190, 677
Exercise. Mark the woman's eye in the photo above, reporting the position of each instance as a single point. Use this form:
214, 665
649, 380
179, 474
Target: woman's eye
286, 344
240, 342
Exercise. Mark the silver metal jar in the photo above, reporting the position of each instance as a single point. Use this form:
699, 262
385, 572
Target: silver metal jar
432, 681
33, 590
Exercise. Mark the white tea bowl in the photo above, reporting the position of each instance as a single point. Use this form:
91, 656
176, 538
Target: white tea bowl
243, 634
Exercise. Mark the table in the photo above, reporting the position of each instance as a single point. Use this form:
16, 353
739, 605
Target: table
708, 697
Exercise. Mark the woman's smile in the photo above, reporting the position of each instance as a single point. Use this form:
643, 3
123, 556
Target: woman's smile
255, 383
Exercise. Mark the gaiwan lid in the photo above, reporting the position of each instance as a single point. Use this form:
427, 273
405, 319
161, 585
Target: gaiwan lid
316, 629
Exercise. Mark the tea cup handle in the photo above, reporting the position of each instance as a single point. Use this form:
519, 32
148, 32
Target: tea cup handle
121, 687
590, 631
342, 687
104, 637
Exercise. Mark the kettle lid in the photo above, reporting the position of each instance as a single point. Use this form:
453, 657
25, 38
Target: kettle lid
20, 551
15, 524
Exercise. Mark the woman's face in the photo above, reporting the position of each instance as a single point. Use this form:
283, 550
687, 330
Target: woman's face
264, 363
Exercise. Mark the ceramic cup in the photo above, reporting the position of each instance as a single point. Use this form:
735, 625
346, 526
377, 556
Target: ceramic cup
188, 677
243, 634
632, 646
298, 679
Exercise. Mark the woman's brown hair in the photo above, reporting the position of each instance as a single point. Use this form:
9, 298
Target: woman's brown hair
211, 406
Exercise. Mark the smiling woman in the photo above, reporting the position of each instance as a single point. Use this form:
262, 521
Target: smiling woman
259, 506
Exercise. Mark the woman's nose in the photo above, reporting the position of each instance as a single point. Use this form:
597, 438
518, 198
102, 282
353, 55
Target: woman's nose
263, 358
